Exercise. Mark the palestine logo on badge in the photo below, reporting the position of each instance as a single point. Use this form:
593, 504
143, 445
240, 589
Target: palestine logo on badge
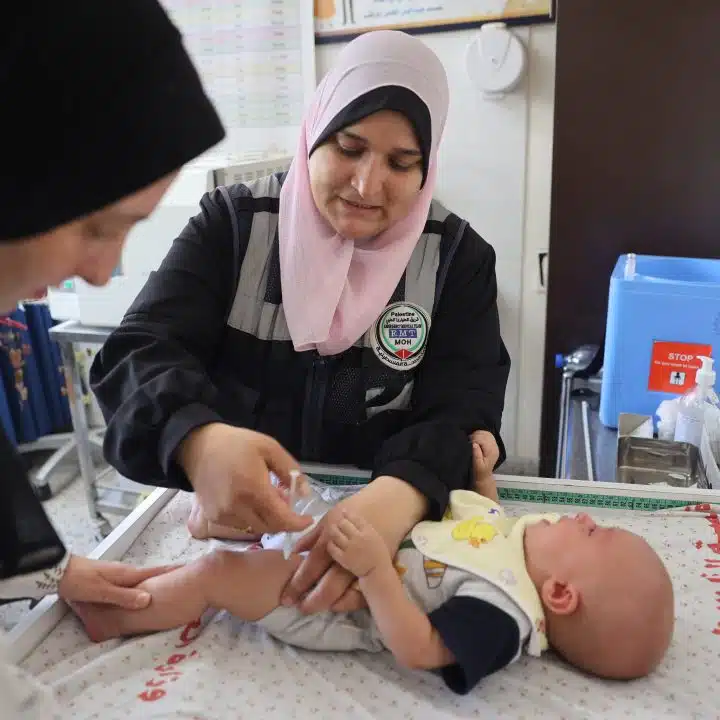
400, 335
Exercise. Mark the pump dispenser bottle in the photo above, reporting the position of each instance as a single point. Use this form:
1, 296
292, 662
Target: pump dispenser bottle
692, 405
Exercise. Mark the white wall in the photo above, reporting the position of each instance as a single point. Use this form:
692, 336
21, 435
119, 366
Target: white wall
538, 180
495, 171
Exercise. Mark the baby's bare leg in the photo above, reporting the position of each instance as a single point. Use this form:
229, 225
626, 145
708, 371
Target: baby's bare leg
247, 584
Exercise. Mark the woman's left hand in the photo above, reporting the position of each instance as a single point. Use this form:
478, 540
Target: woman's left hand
486, 456
319, 584
109, 583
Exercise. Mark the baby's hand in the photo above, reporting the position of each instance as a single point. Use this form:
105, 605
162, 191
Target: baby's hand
357, 546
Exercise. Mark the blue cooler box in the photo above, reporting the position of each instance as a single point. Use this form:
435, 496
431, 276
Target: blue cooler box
660, 318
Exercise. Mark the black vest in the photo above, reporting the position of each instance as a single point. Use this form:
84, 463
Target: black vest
338, 408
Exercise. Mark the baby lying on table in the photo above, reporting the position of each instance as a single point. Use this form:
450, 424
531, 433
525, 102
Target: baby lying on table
465, 595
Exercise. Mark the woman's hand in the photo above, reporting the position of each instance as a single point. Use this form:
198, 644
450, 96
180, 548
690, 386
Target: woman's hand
486, 452
109, 583
390, 505
229, 469
485, 456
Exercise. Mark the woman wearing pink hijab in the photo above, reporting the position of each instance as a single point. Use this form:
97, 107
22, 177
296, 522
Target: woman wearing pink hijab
337, 314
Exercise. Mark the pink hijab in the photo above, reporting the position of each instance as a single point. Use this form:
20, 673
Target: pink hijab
333, 291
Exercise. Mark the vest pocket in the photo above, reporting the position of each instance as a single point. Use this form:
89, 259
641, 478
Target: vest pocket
378, 401
385, 389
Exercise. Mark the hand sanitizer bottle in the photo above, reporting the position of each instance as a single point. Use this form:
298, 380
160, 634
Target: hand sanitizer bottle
692, 405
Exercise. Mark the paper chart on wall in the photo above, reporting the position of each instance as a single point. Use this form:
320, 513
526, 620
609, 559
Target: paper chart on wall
256, 59
339, 19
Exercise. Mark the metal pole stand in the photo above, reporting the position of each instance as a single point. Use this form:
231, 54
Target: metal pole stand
579, 362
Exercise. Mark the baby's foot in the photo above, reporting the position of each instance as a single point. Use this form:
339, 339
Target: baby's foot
221, 532
197, 523
98, 621
202, 529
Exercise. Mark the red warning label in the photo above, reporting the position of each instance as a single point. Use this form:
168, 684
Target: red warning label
673, 366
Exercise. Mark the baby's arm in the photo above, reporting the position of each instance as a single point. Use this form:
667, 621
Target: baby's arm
246, 584
405, 629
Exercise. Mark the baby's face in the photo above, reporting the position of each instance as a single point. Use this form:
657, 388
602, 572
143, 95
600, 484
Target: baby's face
607, 596
576, 533
577, 548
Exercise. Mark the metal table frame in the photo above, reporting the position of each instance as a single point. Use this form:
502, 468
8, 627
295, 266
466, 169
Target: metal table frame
61, 446
66, 334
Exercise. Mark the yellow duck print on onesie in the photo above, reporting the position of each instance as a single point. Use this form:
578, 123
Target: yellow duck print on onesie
481, 540
475, 531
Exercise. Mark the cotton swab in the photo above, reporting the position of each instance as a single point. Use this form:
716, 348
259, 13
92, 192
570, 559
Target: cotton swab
295, 475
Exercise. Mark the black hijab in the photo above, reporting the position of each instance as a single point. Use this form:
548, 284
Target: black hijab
99, 100
388, 97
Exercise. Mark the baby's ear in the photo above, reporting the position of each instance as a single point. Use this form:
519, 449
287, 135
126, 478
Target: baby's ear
559, 598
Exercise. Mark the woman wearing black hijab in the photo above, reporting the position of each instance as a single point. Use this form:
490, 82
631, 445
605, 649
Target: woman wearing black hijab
101, 108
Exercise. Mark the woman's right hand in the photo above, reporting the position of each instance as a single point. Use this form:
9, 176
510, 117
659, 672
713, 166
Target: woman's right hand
229, 469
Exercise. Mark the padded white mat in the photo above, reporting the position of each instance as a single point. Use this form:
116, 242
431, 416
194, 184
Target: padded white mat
227, 669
